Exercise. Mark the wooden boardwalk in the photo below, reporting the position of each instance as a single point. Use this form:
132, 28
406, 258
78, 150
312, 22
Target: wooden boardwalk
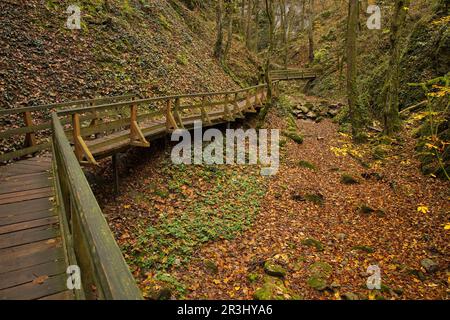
32, 258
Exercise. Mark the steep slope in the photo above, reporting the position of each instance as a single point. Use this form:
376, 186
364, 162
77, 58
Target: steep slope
154, 47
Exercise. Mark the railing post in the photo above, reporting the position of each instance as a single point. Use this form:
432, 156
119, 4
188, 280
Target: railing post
76, 136
177, 114
237, 110
205, 115
257, 98
81, 148
137, 138
227, 112
171, 124
30, 137
247, 99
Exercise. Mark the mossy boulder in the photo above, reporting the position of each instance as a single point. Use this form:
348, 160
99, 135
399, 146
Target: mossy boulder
348, 179
294, 136
274, 269
316, 198
307, 165
317, 283
321, 270
310, 242
274, 289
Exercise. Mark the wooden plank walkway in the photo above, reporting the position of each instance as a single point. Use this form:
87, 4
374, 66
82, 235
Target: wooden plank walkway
32, 259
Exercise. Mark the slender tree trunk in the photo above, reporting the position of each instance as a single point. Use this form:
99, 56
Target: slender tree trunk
352, 92
391, 118
256, 33
311, 31
218, 50
271, 18
229, 36
249, 23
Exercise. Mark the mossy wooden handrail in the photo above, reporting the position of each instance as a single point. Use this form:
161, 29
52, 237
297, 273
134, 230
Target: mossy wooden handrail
31, 144
94, 109
87, 237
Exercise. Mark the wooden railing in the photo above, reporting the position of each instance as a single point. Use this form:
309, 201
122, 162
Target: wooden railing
87, 238
293, 74
29, 128
138, 119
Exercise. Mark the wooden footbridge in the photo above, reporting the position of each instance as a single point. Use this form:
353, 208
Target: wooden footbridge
49, 217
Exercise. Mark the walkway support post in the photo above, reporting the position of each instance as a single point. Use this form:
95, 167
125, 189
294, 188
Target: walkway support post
171, 124
30, 137
115, 167
137, 138
81, 148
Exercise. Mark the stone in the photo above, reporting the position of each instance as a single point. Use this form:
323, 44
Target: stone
317, 283
333, 112
321, 270
304, 109
274, 269
429, 265
311, 115
274, 289
348, 179
313, 243
350, 296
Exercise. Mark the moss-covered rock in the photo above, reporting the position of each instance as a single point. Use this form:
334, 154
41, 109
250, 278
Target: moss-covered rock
310, 242
274, 289
348, 179
294, 136
307, 165
274, 269
321, 269
317, 283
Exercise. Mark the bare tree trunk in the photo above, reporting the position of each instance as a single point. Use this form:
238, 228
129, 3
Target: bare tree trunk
249, 22
352, 92
256, 33
391, 119
270, 15
229, 34
218, 51
311, 31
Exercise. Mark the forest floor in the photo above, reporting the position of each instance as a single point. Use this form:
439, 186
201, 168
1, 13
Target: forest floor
333, 210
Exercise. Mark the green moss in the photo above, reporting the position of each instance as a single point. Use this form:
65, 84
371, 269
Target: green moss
307, 165
273, 269
315, 198
321, 270
317, 283
366, 249
274, 289
313, 243
252, 277
294, 136
182, 59
348, 179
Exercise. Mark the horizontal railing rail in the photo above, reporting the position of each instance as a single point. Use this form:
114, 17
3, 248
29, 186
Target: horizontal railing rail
31, 143
88, 240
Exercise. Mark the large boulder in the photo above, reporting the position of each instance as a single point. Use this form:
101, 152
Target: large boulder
274, 289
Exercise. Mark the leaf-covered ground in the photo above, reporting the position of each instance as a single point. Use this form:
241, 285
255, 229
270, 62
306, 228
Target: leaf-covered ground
205, 233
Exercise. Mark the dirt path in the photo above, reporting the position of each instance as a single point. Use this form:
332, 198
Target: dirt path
399, 235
